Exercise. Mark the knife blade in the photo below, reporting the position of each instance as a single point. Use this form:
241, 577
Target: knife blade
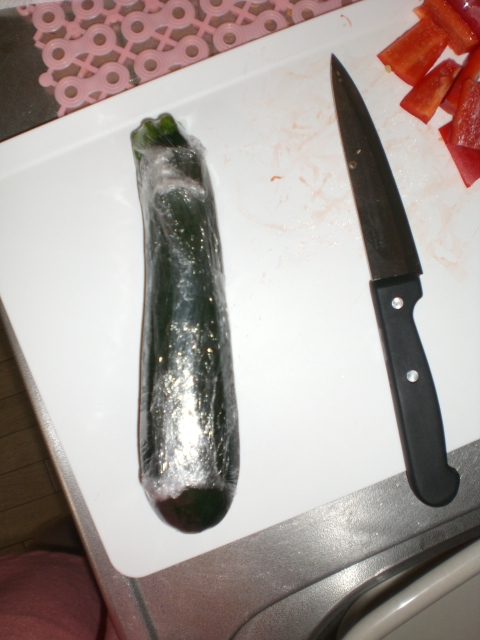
395, 288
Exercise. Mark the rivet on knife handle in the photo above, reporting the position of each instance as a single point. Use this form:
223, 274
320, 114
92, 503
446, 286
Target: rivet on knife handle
395, 289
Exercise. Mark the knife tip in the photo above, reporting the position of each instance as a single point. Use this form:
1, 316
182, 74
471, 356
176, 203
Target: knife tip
336, 66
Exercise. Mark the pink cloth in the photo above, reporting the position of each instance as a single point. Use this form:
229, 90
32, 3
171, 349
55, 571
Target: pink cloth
51, 596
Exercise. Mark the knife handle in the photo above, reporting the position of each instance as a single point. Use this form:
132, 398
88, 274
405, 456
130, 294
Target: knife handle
415, 400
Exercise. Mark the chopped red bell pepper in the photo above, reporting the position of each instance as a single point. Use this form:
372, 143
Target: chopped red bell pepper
424, 99
469, 11
466, 121
461, 38
470, 71
467, 160
412, 54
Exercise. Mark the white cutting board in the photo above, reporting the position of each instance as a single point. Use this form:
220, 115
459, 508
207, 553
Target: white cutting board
316, 416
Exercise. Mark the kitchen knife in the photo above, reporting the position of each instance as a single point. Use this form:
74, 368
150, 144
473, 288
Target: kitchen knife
395, 288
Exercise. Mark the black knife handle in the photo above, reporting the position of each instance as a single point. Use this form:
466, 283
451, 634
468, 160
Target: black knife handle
414, 397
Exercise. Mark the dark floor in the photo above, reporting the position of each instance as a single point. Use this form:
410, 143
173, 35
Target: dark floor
30, 494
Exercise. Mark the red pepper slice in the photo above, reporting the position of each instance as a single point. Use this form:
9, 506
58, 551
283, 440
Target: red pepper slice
467, 160
412, 54
424, 99
470, 71
466, 121
469, 11
461, 38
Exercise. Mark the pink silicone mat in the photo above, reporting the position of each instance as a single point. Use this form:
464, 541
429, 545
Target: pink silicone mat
97, 48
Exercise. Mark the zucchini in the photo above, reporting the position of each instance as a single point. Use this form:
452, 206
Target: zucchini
188, 424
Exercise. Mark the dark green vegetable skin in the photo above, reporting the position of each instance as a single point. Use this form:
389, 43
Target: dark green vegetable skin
189, 446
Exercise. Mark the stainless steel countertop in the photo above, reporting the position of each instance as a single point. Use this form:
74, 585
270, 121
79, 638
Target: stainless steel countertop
24, 104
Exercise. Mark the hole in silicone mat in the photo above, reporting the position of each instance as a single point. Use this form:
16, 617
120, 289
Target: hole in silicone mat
215, 3
48, 17
87, 5
191, 51
137, 27
71, 92
307, 14
58, 53
270, 25
178, 13
150, 65
229, 38
99, 39
113, 77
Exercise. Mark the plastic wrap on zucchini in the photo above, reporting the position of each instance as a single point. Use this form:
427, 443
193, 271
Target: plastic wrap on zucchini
189, 448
